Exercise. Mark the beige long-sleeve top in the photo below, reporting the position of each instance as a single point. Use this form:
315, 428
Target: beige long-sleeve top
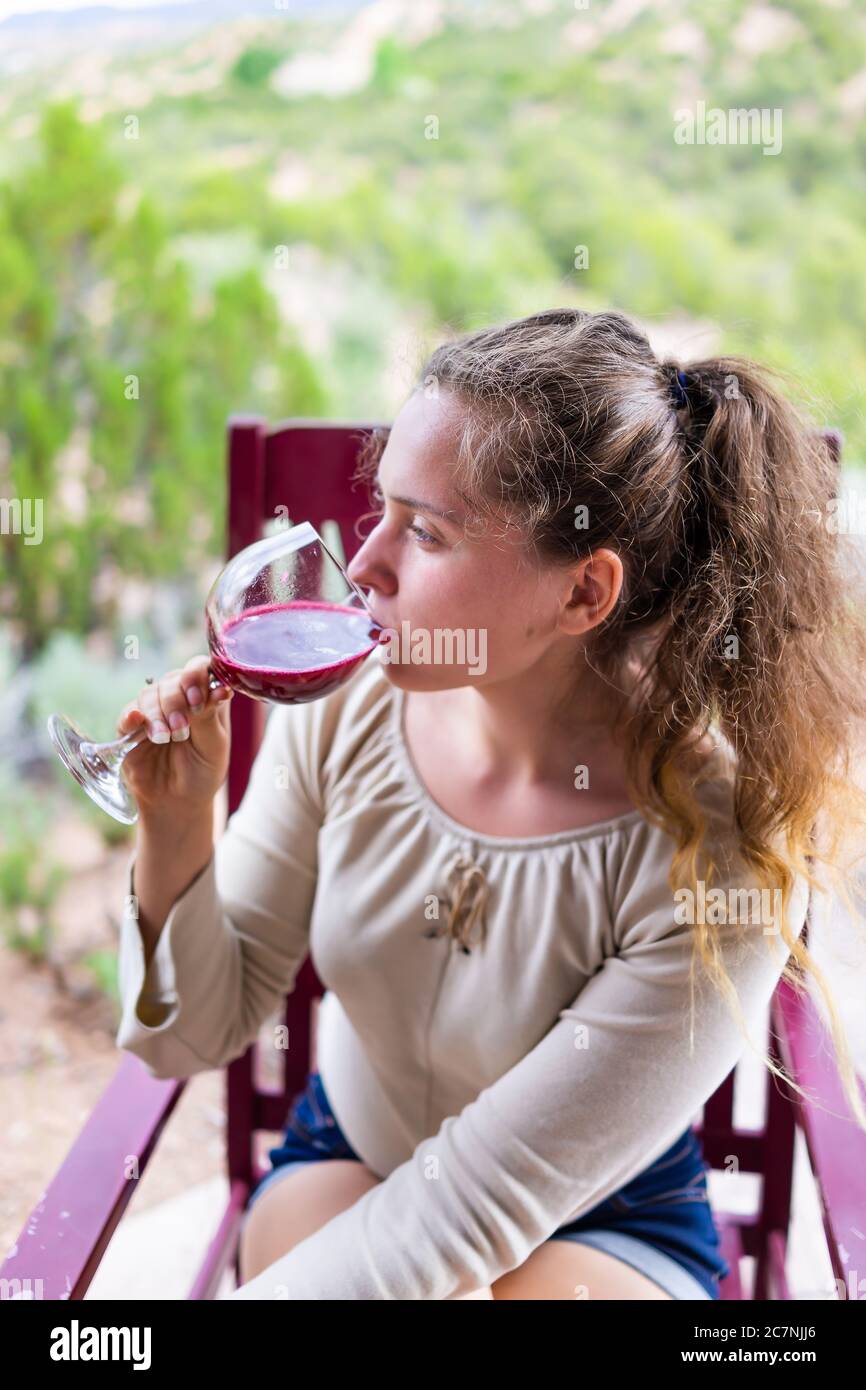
499, 1092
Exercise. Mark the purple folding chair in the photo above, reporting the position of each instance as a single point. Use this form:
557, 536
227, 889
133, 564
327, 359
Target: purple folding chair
306, 466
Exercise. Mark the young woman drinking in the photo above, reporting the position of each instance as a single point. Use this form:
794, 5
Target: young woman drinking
551, 851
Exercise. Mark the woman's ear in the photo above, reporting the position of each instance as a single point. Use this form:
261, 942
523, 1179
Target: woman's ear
595, 585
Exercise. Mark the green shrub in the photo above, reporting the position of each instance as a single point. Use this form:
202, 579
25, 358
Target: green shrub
255, 65
29, 880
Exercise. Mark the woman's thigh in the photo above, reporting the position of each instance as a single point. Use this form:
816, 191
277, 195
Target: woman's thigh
299, 1204
296, 1206
306, 1199
561, 1269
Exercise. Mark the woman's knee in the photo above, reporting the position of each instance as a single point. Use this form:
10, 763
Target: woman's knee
564, 1269
297, 1206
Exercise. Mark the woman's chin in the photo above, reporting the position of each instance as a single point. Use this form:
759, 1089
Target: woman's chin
416, 676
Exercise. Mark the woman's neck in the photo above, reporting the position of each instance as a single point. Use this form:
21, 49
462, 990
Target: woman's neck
527, 729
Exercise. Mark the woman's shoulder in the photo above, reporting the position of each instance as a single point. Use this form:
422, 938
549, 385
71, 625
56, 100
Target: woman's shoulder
709, 766
708, 769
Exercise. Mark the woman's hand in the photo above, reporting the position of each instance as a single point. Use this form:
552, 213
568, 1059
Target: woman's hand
181, 765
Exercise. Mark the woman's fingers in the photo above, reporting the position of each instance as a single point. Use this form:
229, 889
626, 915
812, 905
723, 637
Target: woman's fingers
175, 710
150, 703
168, 705
195, 683
130, 717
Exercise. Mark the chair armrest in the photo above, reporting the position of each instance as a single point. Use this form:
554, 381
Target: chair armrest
63, 1240
835, 1142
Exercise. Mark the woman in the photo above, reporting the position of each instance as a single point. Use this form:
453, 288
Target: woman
512, 861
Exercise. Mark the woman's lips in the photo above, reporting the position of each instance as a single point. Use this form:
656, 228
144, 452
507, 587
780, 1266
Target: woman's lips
377, 627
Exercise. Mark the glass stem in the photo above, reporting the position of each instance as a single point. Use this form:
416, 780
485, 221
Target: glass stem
107, 757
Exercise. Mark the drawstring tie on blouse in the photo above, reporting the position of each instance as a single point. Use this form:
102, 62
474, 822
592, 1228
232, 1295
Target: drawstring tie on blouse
469, 891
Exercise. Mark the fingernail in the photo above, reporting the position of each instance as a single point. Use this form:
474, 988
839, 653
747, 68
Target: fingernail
176, 720
159, 732
180, 734
193, 695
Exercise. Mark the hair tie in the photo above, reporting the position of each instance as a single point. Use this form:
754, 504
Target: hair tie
679, 383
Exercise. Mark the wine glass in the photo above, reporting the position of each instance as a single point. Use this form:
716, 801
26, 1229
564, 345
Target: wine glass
285, 624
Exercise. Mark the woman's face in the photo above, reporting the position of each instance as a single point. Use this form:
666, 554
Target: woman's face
464, 607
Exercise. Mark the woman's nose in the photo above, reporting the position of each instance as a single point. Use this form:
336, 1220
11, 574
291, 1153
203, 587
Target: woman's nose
359, 570
364, 561
369, 573
356, 568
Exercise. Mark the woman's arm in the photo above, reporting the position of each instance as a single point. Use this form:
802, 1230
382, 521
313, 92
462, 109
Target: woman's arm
196, 986
169, 858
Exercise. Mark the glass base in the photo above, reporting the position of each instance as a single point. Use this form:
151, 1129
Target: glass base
101, 780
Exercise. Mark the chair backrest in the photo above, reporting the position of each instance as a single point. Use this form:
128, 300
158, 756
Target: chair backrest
305, 467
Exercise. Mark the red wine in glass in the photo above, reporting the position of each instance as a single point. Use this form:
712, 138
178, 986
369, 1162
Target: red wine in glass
285, 624
292, 652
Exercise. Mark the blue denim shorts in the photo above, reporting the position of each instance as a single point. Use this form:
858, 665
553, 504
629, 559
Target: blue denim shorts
660, 1223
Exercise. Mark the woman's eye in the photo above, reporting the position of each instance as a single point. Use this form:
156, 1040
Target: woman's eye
423, 536
377, 497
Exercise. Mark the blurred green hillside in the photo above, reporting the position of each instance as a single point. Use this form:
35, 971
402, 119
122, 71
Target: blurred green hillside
263, 217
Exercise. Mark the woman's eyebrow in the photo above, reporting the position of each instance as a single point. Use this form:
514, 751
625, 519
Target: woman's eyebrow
420, 506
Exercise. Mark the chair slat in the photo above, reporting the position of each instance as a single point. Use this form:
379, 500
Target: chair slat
731, 1247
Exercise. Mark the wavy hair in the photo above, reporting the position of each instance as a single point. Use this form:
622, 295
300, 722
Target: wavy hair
742, 609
